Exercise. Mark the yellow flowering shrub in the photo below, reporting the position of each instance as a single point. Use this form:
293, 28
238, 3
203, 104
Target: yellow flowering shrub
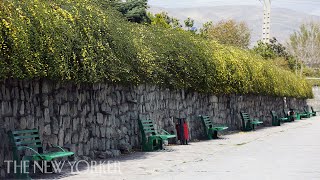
85, 41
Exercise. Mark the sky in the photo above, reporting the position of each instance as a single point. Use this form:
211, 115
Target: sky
307, 6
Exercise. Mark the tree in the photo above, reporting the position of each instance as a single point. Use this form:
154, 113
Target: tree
271, 50
133, 10
164, 20
228, 32
189, 23
205, 29
305, 44
275, 51
175, 23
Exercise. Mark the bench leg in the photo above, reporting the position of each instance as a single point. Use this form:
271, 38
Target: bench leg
215, 134
157, 144
160, 144
152, 144
275, 122
247, 126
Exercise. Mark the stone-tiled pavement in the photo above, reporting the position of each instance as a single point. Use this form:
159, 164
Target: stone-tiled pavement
291, 151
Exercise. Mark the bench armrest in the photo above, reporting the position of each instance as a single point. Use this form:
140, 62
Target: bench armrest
162, 131
58, 147
34, 151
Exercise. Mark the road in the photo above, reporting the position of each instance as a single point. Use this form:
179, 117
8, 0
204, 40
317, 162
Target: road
291, 151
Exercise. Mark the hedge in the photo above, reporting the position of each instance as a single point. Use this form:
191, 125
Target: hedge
85, 41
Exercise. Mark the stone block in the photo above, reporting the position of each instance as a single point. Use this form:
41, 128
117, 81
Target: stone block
53, 139
45, 88
97, 131
75, 124
108, 144
23, 123
95, 143
64, 109
66, 122
86, 149
2, 172
30, 122
61, 137
46, 115
36, 88
55, 125
15, 108
102, 143
47, 130
45, 101
6, 108
91, 143
22, 96
75, 138
90, 118
124, 130
100, 118
103, 132
67, 137
80, 150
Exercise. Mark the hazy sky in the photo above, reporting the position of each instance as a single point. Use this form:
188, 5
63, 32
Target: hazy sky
306, 6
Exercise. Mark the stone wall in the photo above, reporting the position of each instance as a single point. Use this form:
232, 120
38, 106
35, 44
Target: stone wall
315, 102
101, 120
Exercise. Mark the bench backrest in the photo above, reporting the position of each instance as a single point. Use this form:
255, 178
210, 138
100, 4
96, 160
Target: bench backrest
21, 138
206, 121
29, 138
147, 128
274, 115
245, 116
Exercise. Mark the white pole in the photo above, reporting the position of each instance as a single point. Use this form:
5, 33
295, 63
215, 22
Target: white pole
266, 21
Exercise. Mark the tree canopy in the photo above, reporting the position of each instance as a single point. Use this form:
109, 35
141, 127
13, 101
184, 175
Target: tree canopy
305, 44
164, 20
133, 10
228, 32
277, 52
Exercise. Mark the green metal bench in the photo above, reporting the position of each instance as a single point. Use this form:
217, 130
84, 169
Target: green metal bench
211, 129
305, 113
309, 114
152, 139
314, 113
276, 121
249, 124
29, 140
298, 115
294, 116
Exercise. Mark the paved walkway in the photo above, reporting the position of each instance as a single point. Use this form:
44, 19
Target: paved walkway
291, 151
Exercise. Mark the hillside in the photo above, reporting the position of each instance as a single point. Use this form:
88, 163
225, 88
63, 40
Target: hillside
284, 21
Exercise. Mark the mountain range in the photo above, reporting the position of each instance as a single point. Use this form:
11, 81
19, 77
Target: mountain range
284, 22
